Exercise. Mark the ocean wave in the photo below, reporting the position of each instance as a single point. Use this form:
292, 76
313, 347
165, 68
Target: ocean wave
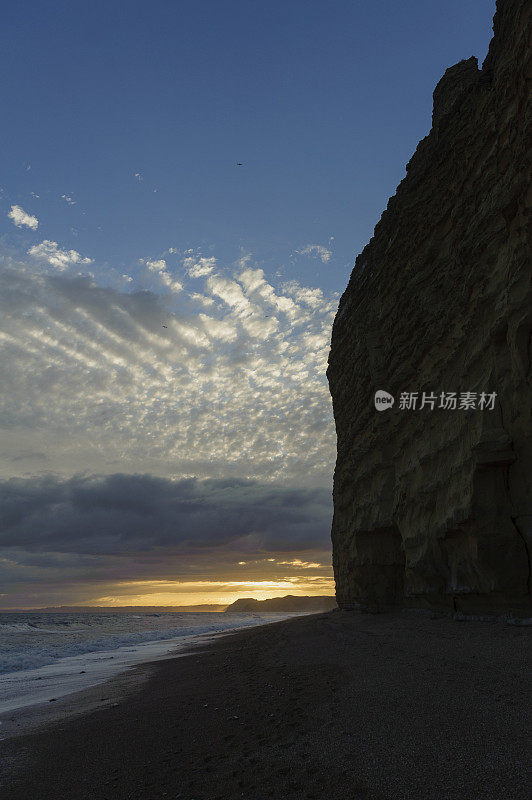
25, 645
29, 627
16, 627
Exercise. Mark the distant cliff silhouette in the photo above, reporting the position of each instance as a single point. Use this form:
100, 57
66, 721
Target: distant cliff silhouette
288, 603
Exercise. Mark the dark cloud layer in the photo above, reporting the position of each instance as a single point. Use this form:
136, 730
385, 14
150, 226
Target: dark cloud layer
121, 513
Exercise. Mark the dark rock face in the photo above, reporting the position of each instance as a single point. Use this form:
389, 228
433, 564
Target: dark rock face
433, 507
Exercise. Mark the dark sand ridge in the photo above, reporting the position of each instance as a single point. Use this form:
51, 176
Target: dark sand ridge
338, 705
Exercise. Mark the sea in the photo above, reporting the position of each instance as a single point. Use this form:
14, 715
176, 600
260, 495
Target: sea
44, 656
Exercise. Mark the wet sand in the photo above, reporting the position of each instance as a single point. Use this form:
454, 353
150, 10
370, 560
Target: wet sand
333, 706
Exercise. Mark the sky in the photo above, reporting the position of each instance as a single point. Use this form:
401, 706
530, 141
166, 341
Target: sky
184, 188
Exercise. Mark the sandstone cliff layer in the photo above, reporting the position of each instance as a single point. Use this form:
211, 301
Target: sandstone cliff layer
433, 506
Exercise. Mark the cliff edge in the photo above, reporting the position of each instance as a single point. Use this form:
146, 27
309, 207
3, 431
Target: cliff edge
433, 503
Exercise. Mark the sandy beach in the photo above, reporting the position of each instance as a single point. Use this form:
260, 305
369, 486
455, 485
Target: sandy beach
337, 705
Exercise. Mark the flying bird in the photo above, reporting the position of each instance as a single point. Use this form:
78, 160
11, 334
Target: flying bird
239, 164
165, 326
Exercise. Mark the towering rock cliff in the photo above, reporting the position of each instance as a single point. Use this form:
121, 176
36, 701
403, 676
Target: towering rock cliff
433, 505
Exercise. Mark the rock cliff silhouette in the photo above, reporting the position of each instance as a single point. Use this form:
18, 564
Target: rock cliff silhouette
433, 505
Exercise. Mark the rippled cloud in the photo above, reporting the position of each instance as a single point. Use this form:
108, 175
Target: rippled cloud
223, 377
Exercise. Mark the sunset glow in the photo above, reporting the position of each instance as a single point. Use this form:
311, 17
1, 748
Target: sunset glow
166, 593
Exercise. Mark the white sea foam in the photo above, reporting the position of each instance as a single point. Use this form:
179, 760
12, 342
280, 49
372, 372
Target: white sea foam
48, 656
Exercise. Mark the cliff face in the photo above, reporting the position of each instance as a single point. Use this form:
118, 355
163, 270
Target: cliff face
433, 506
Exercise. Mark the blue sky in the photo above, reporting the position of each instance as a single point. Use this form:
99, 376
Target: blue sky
323, 103
167, 431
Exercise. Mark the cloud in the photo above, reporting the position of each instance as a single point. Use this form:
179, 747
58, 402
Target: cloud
317, 251
136, 538
22, 219
133, 392
120, 513
233, 384
202, 299
314, 298
230, 292
54, 255
199, 267
68, 199
158, 266
259, 290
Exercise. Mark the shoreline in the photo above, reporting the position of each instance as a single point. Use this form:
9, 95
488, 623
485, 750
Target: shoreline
33, 717
33, 712
327, 706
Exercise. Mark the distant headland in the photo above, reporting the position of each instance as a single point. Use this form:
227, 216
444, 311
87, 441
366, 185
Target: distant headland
244, 604
288, 603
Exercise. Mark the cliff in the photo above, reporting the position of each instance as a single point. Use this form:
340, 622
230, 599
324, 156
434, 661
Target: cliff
288, 603
433, 506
